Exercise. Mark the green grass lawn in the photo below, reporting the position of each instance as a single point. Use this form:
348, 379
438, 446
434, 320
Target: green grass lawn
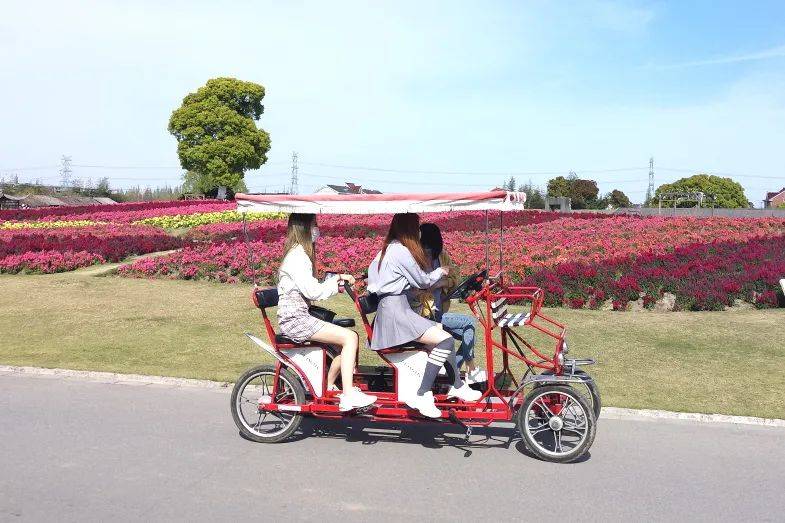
727, 362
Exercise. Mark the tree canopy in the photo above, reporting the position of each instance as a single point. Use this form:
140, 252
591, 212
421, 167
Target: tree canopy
217, 135
726, 192
617, 198
583, 193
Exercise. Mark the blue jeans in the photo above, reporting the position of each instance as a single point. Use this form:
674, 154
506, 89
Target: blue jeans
462, 327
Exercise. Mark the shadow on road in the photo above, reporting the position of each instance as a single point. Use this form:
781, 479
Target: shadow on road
428, 435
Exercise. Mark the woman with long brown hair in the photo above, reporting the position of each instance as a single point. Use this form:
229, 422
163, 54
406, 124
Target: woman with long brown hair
297, 287
399, 268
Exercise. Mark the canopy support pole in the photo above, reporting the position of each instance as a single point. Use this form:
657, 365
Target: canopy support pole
487, 241
501, 242
250, 254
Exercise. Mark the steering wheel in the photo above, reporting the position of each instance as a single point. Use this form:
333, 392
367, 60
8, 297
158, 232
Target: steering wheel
471, 283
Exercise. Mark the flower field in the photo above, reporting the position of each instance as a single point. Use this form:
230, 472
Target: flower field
46, 225
581, 259
701, 276
66, 238
118, 213
48, 250
181, 221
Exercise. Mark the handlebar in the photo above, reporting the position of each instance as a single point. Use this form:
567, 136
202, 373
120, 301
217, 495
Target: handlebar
347, 288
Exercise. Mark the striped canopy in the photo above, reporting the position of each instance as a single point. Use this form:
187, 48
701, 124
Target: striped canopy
380, 203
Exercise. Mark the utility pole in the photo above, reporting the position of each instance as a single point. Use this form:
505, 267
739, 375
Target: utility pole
294, 189
650, 190
65, 170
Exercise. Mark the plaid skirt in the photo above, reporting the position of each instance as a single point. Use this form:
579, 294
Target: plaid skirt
293, 317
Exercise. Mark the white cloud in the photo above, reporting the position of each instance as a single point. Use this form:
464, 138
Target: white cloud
765, 54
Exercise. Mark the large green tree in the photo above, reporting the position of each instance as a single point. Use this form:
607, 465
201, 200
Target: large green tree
583, 193
726, 192
559, 186
216, 133
617, 198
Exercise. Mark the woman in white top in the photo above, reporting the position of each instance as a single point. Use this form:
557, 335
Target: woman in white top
297, 286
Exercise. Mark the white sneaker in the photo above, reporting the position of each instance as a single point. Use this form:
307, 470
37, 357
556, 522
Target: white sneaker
464, 392
476, 376
425, 405
355, 399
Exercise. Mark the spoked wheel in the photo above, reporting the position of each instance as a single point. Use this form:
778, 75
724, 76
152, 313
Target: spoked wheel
256, 386
589, 391
556, 423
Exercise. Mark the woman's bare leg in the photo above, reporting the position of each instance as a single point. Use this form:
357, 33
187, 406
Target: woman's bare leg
434, 336
348, 341
335, 369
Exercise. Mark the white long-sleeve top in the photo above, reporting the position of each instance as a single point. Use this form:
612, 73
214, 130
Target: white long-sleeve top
296, 272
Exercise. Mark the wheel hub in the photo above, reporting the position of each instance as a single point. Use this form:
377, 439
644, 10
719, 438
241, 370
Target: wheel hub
556, 423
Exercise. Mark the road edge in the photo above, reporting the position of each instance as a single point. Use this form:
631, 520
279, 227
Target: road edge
168, 381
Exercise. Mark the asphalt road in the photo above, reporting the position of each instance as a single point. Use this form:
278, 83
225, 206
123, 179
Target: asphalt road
75, 450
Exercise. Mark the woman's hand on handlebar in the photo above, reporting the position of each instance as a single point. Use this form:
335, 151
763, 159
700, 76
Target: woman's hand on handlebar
445, 270
348, 278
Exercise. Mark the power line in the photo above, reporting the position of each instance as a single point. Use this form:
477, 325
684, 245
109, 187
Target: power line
131, 167
414, 171
473, 173
341, 178
388, 180
36, 168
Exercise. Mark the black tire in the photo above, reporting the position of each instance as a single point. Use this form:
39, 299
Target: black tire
281, 425
578, 415
591, 394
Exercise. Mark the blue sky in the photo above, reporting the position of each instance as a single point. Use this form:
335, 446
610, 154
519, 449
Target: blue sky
416, 88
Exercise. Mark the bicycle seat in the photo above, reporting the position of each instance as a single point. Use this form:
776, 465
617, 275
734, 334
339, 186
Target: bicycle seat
414, 345
344, 322
280, 339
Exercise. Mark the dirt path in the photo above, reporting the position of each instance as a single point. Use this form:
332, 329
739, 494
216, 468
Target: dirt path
106, 268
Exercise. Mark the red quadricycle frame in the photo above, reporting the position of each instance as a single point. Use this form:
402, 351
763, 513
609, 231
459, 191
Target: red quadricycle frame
553, 396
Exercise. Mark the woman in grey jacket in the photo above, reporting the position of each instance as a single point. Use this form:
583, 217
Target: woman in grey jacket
398, 268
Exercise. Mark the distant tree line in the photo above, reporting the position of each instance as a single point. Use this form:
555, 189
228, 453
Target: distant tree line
584, 194
99, 188
76, 187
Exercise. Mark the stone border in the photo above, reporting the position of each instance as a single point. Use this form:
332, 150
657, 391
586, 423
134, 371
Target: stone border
114, 377
140, 379
654, 415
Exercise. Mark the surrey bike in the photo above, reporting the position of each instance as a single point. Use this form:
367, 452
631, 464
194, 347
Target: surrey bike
554, 402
